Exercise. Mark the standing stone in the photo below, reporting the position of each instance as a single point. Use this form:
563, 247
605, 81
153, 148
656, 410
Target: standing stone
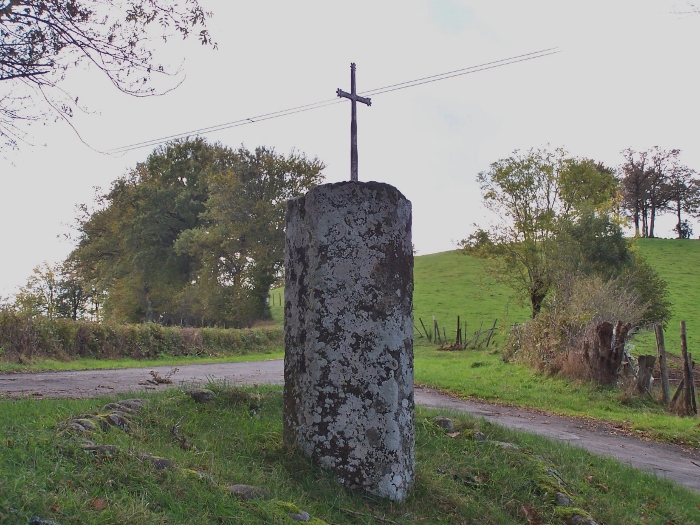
348, 366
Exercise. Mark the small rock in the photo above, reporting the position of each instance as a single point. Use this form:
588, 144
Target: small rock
133, 404
36, 520
248, 492
107, 450
479, 436
444, 422
581, 520
77, 426
508, 446
102, 422
201, 395
563, 500
158, 462
86, 424
300, 516
118, 421
118, 407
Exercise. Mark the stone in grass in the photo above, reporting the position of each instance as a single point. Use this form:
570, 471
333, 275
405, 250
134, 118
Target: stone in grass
562, 500
86, 424
106, 450
476, 435
102, 422
36, 520
117, 420
201, 395
444, 422
248, 492
118, 407
507, 446
158, 462
133, 404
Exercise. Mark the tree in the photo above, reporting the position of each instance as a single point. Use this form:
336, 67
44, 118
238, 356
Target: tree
532, 193
194, 235
558, 225
654, 182
53, 292
38, 296
635, 175
241, 238
663, 164
683, 197
41, 39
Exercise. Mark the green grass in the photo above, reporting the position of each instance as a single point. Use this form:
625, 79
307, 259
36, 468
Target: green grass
237, 438
482, 374
678, 263
42, 365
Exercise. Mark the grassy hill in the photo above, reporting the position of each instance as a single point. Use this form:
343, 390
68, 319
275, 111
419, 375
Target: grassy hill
678, 263
449, 284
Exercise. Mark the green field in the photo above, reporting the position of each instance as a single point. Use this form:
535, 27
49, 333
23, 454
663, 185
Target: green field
144, 473
678, 263
449, 284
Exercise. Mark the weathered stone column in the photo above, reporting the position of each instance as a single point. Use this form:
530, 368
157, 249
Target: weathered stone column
348, 366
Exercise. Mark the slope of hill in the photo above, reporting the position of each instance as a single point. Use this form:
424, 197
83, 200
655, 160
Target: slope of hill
449, 284
678, 263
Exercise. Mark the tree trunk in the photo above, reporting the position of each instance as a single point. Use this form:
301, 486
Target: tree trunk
538, 292
689, 397
644, 375
608, 350
661, 347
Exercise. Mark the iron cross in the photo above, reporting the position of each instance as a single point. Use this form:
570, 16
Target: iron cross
354, 99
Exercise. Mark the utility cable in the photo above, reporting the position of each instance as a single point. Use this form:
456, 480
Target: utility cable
324, 103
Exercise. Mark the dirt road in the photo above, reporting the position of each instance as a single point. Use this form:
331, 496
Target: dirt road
669, 461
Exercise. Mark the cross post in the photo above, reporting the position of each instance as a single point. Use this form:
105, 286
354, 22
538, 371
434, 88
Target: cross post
354, 99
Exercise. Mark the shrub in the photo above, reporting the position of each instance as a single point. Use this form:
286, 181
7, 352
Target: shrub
553, 342
24, 338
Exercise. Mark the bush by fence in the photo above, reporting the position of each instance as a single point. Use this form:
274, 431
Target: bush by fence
24, 338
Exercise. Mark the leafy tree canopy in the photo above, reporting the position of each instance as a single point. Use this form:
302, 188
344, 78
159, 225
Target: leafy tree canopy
41, 39
194, 235
557, 219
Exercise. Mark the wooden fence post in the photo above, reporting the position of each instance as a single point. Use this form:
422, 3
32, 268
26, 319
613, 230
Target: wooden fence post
689, 397
661, 348
491, 333
436, 329
428, 335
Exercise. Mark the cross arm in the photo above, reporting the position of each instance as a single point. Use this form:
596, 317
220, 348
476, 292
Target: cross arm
345, 94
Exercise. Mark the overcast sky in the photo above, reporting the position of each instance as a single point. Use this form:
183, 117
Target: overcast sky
626, 76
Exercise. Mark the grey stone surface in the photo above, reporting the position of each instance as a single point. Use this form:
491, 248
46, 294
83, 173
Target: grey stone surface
201, 395
348, 401
444, 422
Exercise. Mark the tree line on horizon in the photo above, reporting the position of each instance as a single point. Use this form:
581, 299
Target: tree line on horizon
194, 236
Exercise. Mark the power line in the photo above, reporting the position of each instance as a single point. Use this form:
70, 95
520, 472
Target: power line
317, 105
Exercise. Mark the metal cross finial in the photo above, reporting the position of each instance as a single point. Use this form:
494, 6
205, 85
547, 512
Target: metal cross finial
354, 99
